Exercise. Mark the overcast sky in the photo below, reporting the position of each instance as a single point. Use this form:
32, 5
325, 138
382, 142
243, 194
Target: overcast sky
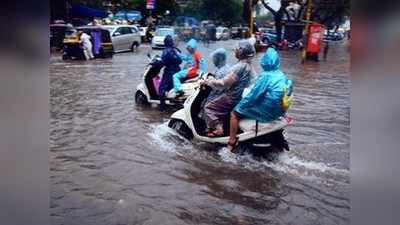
275, 4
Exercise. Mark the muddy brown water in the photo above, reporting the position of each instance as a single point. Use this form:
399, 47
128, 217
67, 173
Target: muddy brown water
114, 163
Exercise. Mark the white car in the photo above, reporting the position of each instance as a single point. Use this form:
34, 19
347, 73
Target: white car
159, 36
124, 37
222, 33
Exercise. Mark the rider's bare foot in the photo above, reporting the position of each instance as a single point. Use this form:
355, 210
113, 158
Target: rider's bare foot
232, 145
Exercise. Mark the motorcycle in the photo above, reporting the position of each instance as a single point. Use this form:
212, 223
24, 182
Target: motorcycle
258, 136
147, 91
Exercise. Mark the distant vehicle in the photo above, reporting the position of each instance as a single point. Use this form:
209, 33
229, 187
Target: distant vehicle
159, 36
124, 37
57, 34
182, 21
223, 33
268, 35
239, 32
333, 36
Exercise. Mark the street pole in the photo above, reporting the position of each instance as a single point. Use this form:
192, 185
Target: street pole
251, 16
305, 31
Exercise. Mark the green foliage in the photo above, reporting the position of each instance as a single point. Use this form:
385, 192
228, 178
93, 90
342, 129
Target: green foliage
331, 13
161, 5
227, 11
260, 20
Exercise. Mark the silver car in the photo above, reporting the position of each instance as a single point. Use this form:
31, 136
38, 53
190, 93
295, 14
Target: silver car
124, 37
222, 33
160, 34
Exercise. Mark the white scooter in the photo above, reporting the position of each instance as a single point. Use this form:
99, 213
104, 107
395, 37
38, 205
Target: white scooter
147, 91
260, 136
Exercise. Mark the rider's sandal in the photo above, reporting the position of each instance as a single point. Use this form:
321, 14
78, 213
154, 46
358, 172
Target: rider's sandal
233, 145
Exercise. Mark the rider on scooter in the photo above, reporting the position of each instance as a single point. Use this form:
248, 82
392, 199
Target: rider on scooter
233, 85
171, 61
196, 64
268, 99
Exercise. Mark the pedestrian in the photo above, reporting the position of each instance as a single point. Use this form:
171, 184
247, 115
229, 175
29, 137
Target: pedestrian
326, 49
86, 45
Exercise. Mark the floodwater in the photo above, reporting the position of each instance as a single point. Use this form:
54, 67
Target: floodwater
115, 163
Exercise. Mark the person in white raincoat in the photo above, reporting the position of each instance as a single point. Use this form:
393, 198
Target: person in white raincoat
87, 45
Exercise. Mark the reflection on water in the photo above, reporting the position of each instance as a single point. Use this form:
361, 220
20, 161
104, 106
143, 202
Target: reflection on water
113, 162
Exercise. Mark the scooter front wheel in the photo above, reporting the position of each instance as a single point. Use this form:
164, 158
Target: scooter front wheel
181, 128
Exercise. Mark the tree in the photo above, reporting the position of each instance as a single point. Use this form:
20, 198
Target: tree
278, 16
328, 12
331, 13
161, 6
217, 10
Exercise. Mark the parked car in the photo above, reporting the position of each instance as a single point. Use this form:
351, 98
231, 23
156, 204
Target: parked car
268, 35
223, 33
124, 37
333, 36
240, 32
160, 34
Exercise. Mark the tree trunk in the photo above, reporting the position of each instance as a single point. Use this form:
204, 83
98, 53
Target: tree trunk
278, 25
278, 15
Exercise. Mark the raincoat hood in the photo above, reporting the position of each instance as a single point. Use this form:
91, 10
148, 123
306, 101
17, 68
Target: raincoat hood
219, 57
192, 43
270, 61
246, 49
168, 41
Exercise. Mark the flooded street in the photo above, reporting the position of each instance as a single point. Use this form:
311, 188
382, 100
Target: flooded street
115, 163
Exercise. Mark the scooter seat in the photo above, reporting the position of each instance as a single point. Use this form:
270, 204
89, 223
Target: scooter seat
250, 125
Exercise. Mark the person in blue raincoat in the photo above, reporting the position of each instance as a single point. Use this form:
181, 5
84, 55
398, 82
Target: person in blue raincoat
171, 61
195, 65
267, 99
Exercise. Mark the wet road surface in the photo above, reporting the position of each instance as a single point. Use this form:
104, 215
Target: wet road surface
115, 163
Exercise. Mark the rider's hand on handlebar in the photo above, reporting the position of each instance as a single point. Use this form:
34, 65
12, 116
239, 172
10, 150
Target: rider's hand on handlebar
203, 82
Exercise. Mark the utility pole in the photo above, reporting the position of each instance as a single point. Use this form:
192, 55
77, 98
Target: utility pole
251, 17
305, 31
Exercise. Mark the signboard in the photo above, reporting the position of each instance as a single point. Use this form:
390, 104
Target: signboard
316, 35
151, 4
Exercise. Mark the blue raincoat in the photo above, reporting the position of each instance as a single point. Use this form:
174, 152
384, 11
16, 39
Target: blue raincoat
171, 61
195, 65
264, 102
189, 59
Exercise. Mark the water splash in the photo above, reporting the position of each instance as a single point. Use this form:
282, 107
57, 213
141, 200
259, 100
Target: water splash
167, 139
228, 156
284, 163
